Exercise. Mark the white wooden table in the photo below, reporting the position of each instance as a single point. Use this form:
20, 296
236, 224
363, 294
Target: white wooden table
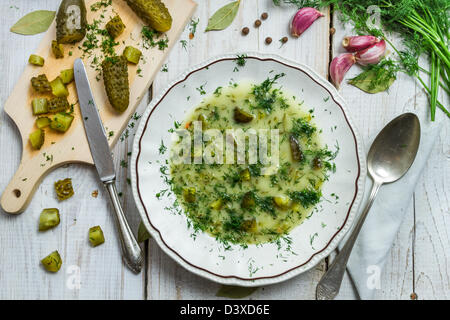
420, 258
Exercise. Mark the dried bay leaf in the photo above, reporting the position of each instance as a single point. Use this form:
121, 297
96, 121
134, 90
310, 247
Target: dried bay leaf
223, 17
34, 22
373, 80
235, 292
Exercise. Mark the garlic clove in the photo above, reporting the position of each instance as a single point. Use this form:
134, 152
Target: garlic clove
372, 54
358, 43
339, 67
303, 19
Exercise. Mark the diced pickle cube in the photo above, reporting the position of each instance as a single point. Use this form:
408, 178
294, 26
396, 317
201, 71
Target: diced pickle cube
41, 84
115, 27
61, 122
64, 189
245, 175
282, 202
248, 200
37, 138
40, 106
317, 163
43, 122
249, 225
217, 204
96, 236
66, 76
132, 54
58, 88
296, 150
189, 194
49, 219
36, 60
52, 262
242, 116
57, 49
58, 105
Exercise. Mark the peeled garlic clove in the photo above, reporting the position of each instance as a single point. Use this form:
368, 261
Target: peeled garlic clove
339, 67
371, 55
358, 43
303, 19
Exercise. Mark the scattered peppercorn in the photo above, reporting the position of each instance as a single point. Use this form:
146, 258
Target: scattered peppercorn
332, 30
268, 40
284, 40
257, 23
264, 16
245, 31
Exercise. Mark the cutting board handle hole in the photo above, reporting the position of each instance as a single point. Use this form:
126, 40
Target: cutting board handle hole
17, 193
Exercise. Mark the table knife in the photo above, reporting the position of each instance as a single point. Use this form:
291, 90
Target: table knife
103, 161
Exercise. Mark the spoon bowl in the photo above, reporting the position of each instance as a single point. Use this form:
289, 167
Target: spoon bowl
394, 149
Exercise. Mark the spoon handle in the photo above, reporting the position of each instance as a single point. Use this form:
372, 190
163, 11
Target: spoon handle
329, 285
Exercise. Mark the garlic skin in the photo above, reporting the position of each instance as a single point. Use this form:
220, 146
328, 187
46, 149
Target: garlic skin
303, 19
339, 67
372, 54
358, 43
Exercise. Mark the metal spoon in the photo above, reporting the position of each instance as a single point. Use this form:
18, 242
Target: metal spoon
390, 156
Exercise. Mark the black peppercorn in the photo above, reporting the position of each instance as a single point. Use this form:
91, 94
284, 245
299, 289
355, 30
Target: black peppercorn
268, 40
264, 16
257, 23
245, 31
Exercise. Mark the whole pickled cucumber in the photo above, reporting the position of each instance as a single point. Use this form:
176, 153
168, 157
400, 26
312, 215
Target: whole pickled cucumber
152, 12
71, 21
115, 77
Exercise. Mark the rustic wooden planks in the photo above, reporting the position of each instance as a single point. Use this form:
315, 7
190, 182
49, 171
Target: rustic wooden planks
419, 263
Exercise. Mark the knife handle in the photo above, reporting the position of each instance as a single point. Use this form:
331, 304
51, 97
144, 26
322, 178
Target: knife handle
131, 251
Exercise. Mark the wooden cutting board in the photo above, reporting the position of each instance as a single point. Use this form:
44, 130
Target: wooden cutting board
72, 146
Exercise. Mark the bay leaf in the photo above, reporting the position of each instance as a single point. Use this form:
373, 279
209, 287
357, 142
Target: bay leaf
34, 22
373, 80
143, 233
223, 17
235, 292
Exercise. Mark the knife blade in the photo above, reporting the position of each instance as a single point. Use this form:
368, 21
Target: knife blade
103, 161
98, 143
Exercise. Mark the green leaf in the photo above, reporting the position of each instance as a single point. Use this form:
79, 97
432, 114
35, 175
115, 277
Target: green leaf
373, 80
235, 292
223, 17
34, 22
143, 234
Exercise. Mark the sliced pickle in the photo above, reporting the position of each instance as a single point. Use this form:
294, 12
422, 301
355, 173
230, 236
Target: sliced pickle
52, 262
36, 60
115, 27
43, 122
37, 138
49, 219
66, 76
132, 54
57, 49
39, 105
96, 236
58, 88
61, 122
64, 189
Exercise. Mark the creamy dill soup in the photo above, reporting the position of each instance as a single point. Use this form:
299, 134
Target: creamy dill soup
251, 203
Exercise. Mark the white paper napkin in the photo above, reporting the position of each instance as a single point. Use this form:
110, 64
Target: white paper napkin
384, 219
